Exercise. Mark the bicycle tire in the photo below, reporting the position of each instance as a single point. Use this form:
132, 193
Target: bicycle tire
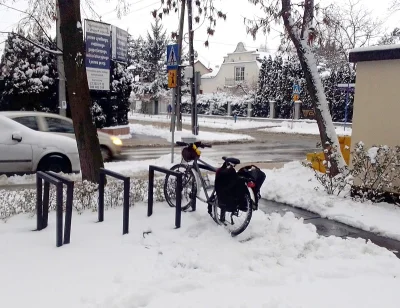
248, 214
188, 178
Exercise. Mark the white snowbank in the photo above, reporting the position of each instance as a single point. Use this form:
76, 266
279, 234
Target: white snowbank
295, 185
164, 133
304, 128
278, 262
227, 123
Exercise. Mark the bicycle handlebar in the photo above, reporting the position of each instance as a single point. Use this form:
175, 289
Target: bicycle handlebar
198, 144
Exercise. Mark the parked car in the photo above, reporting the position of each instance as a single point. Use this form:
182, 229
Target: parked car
23, 150
49, 122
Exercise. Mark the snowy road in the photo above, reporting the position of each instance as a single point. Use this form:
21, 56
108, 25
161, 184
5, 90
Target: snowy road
247, 153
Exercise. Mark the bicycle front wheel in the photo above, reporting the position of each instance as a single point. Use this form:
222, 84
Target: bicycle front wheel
189, 186
236, 221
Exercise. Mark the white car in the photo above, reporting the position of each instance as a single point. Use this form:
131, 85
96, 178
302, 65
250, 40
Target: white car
110, 146
23, 150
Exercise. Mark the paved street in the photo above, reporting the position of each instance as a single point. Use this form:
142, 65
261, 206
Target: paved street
246, 152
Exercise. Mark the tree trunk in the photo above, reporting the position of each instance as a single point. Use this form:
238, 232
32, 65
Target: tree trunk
78, 90
313, 80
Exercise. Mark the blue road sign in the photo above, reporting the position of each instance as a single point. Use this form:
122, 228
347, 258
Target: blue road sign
296, 89
172, 57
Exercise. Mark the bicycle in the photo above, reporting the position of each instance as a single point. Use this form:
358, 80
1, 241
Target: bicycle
193, 182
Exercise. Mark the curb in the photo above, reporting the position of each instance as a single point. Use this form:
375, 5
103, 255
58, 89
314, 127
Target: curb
169, 144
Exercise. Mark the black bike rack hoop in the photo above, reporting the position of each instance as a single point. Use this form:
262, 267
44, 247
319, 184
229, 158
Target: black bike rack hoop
127, 185
178, 192
42, 204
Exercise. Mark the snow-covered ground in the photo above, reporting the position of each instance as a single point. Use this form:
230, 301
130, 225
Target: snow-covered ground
164, 133
270, 126
277, 262
295, 184
211, 122
289, 127
128, 168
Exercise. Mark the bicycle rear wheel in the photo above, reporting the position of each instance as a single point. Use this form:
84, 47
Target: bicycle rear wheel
189, 186
235, 222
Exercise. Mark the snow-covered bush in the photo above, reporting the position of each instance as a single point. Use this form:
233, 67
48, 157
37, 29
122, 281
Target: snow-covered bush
85, 196
376, 172
332, 185
99, 118
30, 75
334, 180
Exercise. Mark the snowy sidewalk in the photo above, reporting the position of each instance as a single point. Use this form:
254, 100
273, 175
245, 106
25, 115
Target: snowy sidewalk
328, 227
296, 185
278, 262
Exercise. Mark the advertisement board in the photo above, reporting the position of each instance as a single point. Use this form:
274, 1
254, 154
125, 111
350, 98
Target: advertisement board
119, 44
98, 49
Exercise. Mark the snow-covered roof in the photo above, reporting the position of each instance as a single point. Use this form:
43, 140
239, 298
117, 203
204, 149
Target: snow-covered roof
376, 48
375, 53
212, 74
262, 54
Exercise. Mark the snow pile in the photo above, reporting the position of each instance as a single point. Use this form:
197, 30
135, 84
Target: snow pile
290, 127
199, 265
151, 130
295, 184
213, 122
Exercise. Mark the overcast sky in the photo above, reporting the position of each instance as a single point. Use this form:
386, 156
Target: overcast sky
228, 33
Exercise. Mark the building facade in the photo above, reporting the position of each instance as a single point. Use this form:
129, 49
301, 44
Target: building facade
240, 67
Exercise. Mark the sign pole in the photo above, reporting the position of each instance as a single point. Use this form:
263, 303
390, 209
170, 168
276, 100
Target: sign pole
192, 80
62, 97
173, 118
179, 79
172, 67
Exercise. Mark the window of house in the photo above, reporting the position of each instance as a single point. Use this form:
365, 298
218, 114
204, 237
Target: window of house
239, 73
28, 122
56, 125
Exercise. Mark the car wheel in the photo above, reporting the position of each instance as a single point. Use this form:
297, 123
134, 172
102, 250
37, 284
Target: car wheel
105, 153
56, 164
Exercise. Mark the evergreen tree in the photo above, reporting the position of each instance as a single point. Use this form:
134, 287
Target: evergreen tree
260, 107
136, 50
30, 76
155, 51
153, 74
122, 87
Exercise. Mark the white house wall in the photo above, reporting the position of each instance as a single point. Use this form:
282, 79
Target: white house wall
227, 70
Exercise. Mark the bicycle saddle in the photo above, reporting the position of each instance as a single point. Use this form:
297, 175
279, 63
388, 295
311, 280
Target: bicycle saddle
231, 160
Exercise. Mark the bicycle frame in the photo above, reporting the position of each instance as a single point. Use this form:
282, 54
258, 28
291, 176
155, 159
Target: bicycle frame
201, 183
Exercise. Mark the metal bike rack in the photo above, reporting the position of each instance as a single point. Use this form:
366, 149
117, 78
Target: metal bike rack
127, 183
178, 192
42, 204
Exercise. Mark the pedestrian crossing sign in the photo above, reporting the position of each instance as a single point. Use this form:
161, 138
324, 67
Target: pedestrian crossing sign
172, 57
172, 78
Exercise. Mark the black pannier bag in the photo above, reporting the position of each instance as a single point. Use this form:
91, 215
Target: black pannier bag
231, 189
256, 175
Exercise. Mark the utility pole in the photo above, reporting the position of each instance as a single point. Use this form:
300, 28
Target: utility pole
179, 79
62, 97
195, 129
